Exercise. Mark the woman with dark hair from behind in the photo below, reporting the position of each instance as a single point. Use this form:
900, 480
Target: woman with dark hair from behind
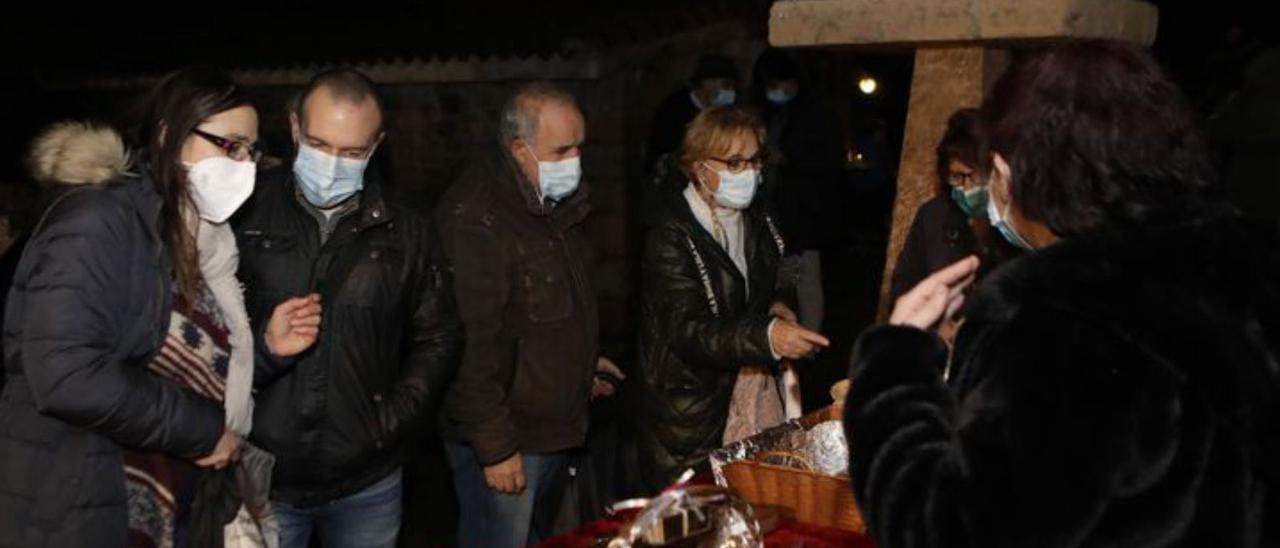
1117, 385
123, 393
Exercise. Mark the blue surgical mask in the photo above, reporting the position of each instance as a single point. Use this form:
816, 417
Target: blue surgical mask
972, 202
737, 190
724, 97
778, 96
327, 180
1001, 222
559, 179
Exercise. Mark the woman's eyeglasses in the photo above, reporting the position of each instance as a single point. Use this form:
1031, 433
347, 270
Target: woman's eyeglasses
235, 149
738, 165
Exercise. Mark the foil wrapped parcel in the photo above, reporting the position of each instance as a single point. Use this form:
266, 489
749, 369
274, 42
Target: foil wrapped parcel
824, 446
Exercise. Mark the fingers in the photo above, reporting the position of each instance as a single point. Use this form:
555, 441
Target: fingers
300, 306
307, 310
954, 306
956, 271
307, 332
305, 321
611, 368
813, 338
519, 480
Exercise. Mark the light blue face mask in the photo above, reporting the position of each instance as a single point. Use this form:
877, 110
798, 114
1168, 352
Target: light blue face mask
1001, 223
778, 96
558, 179
327, 180
724, 97
736, 190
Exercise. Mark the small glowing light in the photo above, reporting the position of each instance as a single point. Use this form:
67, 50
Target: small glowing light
868, 85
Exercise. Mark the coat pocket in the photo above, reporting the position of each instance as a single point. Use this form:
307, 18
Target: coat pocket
545, 289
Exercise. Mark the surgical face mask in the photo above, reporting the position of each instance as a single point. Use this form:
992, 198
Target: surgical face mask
558, 179
724, 97
778, 96
1001, 222
972, 202
327, 180
736, 190
220, 185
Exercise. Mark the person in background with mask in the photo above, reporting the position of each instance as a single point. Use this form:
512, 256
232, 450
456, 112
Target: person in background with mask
512, 224
1117, 385
806, 153
123, 406
715, 318
714, 84
339, 416
953, 225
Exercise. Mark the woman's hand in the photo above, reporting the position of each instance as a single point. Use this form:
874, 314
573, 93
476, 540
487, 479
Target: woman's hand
794, 342
783, 311
294, 326
937, 298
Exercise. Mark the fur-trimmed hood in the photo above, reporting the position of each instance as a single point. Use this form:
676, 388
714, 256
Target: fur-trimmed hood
78, 153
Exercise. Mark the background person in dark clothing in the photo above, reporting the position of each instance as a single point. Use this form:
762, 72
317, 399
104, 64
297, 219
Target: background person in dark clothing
806, 161
1115, 386
714, 83
512, 225
338, 418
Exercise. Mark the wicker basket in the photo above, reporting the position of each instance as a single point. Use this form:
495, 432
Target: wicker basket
815, 498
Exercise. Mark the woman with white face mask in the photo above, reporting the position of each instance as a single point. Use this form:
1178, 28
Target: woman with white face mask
128, 355
714, 326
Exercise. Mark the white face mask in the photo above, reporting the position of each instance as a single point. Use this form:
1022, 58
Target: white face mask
736, 190
220, 185
559, 179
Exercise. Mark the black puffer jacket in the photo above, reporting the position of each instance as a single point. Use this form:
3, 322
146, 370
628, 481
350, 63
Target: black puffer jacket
89, 307
1118, 390
690, 349
389, 341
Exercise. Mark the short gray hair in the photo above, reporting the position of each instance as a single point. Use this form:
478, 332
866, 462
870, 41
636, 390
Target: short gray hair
520, 112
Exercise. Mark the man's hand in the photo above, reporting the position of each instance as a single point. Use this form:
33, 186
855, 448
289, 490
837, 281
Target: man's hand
507, 476
600, 387
294, 326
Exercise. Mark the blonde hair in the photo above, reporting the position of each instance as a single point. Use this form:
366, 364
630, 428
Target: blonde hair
712, 132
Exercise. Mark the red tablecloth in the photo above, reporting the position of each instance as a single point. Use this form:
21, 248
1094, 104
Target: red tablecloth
790, 534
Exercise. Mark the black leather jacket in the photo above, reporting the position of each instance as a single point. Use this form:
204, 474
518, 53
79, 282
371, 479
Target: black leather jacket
390, 337
699, 325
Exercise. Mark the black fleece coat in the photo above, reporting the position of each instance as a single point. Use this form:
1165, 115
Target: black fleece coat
1114, 390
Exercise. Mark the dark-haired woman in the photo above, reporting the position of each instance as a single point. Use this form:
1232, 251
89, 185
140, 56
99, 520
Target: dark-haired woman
116, 350
954, 224
1115, 386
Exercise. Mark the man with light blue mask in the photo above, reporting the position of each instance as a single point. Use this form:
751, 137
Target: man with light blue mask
339, 417
512, 225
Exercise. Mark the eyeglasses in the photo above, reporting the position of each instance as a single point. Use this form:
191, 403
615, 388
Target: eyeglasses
956, 178
738, 165
235, 149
